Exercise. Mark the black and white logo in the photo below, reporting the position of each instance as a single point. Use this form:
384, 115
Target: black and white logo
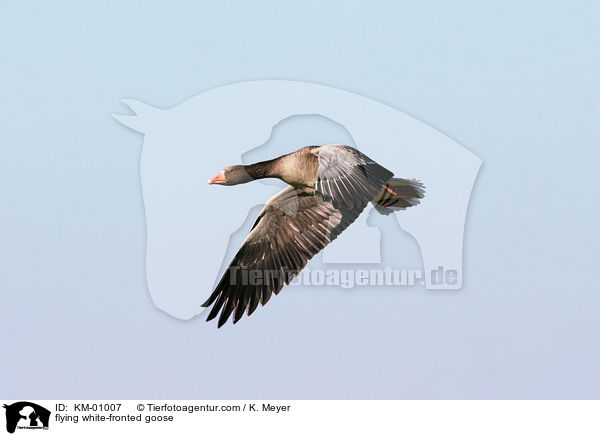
26, 415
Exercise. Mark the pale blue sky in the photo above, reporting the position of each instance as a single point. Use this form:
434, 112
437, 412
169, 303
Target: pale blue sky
516, 83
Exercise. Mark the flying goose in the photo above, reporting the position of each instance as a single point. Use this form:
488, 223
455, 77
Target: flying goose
330, 185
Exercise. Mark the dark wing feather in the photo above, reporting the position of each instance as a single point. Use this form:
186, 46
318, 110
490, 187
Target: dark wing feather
347, 177
292, 227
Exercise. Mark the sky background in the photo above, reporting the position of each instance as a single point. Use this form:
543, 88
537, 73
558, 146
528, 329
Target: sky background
516, 83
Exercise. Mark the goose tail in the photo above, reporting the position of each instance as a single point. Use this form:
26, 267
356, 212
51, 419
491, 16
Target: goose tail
398, 194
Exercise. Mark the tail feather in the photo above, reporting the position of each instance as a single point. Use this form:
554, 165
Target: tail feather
398, 194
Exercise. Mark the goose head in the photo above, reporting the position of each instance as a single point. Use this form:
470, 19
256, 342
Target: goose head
233, 175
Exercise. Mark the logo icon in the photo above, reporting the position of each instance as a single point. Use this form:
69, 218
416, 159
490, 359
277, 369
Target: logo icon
186, 144
26, 415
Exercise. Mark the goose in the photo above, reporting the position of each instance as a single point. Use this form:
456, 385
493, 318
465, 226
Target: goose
329, 187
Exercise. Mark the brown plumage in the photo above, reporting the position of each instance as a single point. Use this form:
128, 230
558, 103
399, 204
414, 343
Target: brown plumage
329, 187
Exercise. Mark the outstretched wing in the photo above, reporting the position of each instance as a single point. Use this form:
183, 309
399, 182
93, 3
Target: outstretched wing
347, 177
292, 227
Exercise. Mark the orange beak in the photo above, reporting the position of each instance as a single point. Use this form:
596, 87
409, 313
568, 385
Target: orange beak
219, 179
